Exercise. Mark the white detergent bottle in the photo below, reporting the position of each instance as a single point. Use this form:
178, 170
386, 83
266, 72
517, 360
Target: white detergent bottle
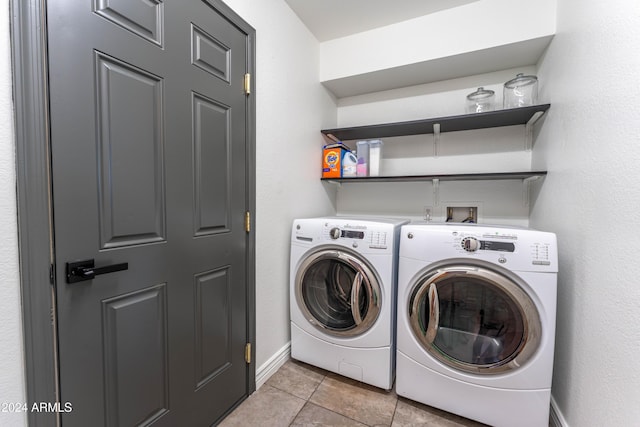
349, 163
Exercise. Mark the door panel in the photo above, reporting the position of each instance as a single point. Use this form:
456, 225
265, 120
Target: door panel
209, 54
213, 324
142, 17
130, 154
136, 356
212, 149
149, 155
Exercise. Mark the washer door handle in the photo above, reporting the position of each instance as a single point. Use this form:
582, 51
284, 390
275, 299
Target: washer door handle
355, 298
434, 314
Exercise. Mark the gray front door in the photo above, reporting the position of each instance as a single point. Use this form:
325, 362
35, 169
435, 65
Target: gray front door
149, 170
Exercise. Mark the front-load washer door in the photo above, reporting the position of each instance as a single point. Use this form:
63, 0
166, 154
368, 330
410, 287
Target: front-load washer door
338, 292
474, 319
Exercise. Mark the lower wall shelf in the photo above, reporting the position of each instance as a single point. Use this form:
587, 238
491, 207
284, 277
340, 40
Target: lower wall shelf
449, 177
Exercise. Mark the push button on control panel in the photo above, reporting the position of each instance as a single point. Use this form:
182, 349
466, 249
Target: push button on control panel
378, 240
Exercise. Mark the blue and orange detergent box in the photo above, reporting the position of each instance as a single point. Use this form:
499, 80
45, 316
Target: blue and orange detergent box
332, 157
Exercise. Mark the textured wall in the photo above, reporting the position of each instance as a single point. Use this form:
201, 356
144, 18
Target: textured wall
590, 143
11, 348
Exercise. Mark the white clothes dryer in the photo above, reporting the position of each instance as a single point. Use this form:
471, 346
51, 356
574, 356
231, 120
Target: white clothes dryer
476, 321
343, 296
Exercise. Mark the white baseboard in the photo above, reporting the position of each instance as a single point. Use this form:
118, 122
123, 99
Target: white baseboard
556, 419
271, 366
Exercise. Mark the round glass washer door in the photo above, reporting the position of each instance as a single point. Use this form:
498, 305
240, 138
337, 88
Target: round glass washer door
474, 319
338, 292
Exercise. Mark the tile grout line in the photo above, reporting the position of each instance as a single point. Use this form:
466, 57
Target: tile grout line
302, 382
306, 401
395, 408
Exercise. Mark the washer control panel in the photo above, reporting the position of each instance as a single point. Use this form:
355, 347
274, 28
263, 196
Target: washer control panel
376, 239
337, 233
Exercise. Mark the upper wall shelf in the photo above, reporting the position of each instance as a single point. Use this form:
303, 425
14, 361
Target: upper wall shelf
445, 177
489, 119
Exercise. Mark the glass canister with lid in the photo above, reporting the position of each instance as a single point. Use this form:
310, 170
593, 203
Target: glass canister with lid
520, 91
480, 101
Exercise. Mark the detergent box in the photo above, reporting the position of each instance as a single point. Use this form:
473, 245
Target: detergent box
332, 158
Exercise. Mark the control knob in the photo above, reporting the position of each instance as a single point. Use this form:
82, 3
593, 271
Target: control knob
335, 233
470, 244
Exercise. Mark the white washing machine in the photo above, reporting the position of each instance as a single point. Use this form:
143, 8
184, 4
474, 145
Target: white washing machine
343, 296
476, 321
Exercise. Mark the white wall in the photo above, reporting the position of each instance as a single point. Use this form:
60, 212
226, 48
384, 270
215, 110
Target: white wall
590, 143
475, 38
478, 26
292, 107
12, 387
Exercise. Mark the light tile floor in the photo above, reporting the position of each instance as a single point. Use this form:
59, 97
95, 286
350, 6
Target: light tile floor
303, 395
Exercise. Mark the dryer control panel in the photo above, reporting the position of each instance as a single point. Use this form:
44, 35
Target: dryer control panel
518, 249
504, 243
472, 244
497, 242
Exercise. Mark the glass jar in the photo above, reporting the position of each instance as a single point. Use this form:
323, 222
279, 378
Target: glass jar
520, 92
480, 101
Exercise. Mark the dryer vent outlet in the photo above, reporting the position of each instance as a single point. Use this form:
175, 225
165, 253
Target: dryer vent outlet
462, 214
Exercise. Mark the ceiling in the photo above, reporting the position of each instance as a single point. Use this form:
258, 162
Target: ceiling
330, 19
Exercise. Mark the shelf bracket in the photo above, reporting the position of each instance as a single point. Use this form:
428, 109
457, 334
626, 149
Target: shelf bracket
436, 191
526, 188
334, 182
528, 130
436, 138
332, 137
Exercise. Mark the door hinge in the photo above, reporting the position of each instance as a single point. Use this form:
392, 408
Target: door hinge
247, 222
247, 352
247, 84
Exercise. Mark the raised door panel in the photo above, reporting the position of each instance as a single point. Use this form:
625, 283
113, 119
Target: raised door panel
144, 18
136, 357
213, 324
212, 165
131, 154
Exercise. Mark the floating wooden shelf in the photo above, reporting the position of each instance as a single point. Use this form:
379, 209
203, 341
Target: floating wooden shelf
489, 119
446, 177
